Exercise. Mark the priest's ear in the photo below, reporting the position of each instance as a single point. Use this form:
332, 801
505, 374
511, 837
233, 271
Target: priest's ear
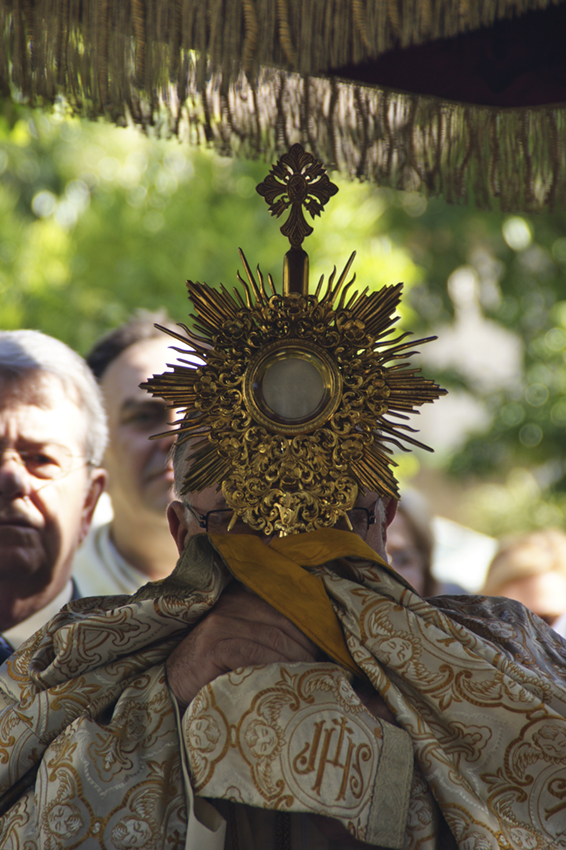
390, 510
176, 516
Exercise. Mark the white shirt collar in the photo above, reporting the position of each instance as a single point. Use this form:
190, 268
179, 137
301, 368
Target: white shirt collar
22, 631
559, 625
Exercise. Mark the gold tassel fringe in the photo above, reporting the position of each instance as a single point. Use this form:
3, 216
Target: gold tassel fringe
247, 76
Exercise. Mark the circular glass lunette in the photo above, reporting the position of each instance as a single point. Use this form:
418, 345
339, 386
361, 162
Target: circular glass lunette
292, 386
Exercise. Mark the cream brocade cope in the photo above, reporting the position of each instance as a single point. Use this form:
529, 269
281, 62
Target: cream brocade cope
90, 752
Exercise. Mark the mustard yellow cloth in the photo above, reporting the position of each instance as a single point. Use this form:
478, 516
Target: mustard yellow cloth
274, 574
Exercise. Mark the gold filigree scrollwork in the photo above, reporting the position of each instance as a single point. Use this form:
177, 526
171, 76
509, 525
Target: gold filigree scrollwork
275, 476
297, 180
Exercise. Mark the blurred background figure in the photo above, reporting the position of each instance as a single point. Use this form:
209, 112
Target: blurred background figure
531, 569
134, 546
411, 543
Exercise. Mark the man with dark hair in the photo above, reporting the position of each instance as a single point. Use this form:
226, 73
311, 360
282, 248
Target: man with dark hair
121, 555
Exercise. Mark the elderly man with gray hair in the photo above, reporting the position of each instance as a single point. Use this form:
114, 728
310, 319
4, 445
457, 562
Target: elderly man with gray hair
52, 438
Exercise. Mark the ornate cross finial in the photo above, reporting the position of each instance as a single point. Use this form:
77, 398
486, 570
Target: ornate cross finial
297, 180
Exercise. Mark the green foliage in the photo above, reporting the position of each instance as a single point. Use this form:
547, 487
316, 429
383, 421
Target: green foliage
97, 221
518, 264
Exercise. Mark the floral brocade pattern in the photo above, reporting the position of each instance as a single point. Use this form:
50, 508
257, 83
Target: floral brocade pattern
89, 744
299, 739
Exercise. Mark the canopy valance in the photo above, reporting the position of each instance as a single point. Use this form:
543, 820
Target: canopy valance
452, 97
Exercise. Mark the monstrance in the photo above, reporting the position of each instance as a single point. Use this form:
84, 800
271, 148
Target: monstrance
299, 398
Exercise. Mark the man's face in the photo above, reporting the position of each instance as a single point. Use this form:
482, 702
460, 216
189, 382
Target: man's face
47, 494
140, 473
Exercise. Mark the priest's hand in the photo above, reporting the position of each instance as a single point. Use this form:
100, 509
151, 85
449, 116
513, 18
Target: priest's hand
373, 702
240, 631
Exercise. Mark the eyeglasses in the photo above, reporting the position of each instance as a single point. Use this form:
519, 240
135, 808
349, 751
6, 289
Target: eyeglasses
48, 462
217, 522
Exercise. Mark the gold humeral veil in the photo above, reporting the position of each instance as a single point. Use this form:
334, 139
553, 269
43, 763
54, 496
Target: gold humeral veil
92, 753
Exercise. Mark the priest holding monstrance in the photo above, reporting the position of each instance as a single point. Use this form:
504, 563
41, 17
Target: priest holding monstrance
284, 687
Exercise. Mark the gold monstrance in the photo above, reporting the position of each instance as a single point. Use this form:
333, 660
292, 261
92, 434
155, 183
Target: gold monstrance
299, 397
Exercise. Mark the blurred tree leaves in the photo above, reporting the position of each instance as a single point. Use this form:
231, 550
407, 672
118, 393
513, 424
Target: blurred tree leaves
96, 221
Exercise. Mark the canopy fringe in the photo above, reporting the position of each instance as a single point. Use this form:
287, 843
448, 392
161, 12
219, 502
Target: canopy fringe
311, 37
177, 66
231, 35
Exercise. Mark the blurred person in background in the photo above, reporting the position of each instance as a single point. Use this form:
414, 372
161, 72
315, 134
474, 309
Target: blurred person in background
410, 545
531, 569
135, 546
52, 437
